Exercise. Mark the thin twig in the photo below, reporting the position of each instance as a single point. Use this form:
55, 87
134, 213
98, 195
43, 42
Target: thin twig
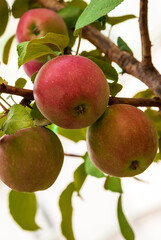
145, 40
4, 100
72, 155
4, 108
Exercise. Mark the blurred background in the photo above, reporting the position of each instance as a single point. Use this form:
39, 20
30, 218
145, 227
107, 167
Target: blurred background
95, 214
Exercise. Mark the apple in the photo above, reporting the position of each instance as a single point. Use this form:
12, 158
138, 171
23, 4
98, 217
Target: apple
36, 23
71, 91
31, 159
123, 141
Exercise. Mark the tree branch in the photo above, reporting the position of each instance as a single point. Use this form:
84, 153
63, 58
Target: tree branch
145, 40
27, 95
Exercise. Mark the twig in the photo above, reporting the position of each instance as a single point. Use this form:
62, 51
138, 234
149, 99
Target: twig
72, 155
145, 40
4, 108
137, 102
4, 100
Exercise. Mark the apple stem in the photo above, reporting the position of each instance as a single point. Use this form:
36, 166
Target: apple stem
79, 41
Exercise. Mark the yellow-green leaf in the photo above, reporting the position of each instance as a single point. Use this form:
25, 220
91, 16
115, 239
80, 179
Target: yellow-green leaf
7, 48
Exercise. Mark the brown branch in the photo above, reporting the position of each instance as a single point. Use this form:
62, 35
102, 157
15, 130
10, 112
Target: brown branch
145, 40
72, 155
55, 5
137, 102
26, 93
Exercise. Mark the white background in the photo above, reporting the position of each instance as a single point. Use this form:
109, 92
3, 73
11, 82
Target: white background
95, 217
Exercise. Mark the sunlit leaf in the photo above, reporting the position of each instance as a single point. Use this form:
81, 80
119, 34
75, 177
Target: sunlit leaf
79, 177
20, 82
144, 94
18, 118
23, 207
113, 184
95, 10
115, 88
73, 134
65, 204
3, 81
125, 228
91, 169
7, 48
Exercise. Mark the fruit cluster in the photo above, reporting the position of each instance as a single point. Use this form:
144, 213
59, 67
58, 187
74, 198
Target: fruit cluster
72, 92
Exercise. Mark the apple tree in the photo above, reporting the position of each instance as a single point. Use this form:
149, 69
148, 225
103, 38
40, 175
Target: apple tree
74, 95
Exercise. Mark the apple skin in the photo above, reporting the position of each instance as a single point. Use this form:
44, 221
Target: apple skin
36, 23
32, 66
31, 159
71, 91
123, 142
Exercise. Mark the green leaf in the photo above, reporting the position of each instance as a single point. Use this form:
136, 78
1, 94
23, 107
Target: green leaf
34, 76
20, 82
79, 177
91, 169
115, 88
123, 45
19, 7
78, 3
65, 204
70, 15
37, 47
23, 207
113, 184
144, 94
3, 81
125, 228
156, 119
73, 134
18, 118
2, 120
116, 20
94, 11
7, 48
39, 119
4, 14
107, 69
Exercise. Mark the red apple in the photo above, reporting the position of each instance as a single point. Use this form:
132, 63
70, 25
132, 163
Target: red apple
31, 159
36, 23
71, 91
123, 142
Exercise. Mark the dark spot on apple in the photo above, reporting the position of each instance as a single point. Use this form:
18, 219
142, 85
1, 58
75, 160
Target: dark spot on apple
134, 165
80, 109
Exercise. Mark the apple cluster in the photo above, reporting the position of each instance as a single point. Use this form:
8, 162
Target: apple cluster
72, 92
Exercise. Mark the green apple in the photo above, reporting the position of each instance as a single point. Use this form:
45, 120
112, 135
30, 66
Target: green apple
71, 91
123, 142
31, 159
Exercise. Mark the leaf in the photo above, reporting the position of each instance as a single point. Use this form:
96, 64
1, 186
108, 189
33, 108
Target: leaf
91, 169
123, 45
18, 118
23, 207
34, 76
115, 88
19, 7
70, 15
125, 228
4, 14
116, 20
156, 119
95, 10
107, 69
78, 3
113, 184
144, 94
7, 48
1, 122
3, 81
73, 134
37, 47
20, 82
79, 177
65, 204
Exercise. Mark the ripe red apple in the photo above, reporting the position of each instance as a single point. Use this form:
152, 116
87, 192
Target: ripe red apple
36, 23
123, 142
71, 91
31, 159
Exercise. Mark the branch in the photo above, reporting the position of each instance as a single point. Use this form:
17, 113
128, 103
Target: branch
145, 40
26, 93
72, 155
55, 5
